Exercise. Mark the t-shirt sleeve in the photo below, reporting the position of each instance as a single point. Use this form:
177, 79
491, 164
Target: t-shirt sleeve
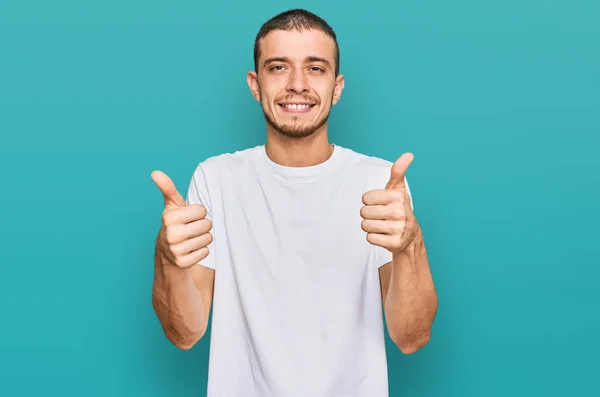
383, 255
198, 193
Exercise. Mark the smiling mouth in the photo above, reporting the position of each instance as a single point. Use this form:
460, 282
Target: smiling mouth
297, 107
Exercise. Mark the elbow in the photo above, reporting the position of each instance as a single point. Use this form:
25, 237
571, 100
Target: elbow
184, 345
410, 345
413, 347
181, 342
184, 335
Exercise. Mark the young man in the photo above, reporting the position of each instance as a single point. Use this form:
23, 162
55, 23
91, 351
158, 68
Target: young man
295, 243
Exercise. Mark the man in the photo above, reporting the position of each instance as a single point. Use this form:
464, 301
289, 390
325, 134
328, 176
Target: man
296, 243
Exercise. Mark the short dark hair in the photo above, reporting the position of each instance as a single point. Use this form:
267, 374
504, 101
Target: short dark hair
296, 19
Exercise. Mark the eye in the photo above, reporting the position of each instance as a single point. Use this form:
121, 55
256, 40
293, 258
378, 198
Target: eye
277, 67
317, 69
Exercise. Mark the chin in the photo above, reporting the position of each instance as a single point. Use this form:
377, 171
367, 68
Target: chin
295, 132
304, 129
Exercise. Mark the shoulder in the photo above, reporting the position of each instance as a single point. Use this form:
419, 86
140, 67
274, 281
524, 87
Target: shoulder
212, 173
222, 164
373, 170
231, 159
364, 161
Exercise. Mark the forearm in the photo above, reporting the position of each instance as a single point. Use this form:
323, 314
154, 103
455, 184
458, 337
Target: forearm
411, 301
178, 304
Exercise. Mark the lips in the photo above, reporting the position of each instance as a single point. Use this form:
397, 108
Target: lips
297, 106
301, 106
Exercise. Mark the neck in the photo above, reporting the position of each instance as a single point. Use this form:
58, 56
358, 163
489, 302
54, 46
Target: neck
298, 152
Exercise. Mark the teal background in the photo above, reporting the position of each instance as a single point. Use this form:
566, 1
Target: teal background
499, 102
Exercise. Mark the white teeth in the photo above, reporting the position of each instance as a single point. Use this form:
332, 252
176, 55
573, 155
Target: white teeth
297, 106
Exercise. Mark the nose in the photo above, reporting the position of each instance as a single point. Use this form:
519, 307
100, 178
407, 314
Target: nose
298, 82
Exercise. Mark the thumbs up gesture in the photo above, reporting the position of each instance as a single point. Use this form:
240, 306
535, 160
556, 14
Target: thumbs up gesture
387, 215
185, 231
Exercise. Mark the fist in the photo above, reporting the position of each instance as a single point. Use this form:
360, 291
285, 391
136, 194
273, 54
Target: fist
185, 231
387, 215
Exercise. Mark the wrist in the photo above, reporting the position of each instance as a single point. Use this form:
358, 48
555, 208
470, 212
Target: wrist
410, 248
167, 268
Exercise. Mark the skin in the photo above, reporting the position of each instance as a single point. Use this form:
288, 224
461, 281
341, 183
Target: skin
182, 293
296, 67
407, 288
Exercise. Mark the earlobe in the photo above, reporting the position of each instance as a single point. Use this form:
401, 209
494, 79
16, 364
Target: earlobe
339, 86
252, 80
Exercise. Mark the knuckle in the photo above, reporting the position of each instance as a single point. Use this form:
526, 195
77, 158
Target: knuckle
169, 217
171, 235
175, 260
177, 249
199, 210
363, 211
372, 238
398, 241
397, 213
399, 227
204, 226
166, 218
398, 196
365, 198
187, 260
183, 263
204, 253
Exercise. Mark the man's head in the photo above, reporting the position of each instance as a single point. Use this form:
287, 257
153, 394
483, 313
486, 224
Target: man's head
296, 77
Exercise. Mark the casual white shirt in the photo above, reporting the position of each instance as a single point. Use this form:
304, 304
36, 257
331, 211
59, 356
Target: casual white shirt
297, 309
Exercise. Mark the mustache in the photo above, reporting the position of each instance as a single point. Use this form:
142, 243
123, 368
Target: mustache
297, 99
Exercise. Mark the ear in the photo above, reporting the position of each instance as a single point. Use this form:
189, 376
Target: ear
339, 86
252, 80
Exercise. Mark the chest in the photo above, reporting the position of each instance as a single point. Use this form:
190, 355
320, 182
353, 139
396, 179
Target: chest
292, 229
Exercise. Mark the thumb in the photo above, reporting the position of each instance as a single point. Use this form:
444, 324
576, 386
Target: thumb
399, 171
168, 189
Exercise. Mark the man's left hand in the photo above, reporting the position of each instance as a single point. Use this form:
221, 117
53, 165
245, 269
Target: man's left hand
388, 217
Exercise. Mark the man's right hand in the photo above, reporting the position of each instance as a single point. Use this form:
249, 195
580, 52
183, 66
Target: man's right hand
185, 232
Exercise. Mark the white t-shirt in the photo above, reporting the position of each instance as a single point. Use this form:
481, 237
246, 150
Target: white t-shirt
297, 309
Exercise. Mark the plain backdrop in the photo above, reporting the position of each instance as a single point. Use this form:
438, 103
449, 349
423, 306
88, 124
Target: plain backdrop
499, 101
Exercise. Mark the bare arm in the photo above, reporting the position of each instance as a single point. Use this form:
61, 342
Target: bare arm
409, 296
182, 299
182, 291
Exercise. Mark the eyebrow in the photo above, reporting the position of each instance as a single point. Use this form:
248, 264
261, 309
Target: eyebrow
285, 59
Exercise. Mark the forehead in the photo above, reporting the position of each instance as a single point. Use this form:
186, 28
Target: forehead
297, 44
